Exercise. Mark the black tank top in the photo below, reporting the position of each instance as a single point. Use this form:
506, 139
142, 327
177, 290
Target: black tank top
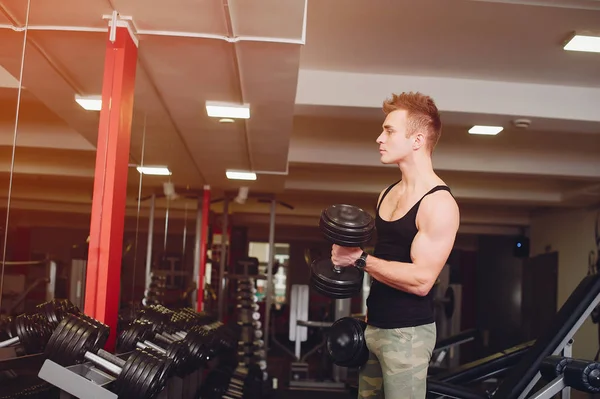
389, 307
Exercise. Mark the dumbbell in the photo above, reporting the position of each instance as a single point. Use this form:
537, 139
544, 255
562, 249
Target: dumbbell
186, 350
75, 340
32, 332
346, 344
183, 357
347, 226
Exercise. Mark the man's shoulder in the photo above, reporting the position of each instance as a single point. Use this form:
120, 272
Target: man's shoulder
439, 206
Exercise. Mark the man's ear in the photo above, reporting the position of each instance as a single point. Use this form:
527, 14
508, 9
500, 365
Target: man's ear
419, 141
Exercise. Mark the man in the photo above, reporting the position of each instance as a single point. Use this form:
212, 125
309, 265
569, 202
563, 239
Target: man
417, 220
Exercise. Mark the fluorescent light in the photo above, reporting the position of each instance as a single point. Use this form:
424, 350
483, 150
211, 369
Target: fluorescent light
154, 170
91, 103
585, 43
225, 110
240, 175
487, 130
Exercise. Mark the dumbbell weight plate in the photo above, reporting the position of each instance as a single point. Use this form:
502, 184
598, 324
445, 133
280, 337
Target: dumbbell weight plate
54, 350
346, 276
33, 331
335, 284
345, 233
136, 332
178, 355
345, 241
347, 217
335, 292
346, 344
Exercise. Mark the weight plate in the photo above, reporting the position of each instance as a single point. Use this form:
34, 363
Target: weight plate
74, 341
344, 233
324, 270
335, 291
139, 382
123, 379
155, 379
51, 345
344, 241
335, 295
58, 355
326, 225
348, 216
346, 345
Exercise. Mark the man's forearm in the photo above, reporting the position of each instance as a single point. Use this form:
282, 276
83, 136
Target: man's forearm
407, 277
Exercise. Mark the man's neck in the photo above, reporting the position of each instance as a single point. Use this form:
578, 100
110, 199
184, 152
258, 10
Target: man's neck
416, 172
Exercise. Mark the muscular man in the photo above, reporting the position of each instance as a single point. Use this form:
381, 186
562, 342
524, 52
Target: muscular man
417, 220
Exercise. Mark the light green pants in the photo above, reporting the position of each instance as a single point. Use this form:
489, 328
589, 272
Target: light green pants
398, 362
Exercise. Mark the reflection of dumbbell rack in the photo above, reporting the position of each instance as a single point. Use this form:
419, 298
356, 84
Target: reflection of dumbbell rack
251, 346
154, 294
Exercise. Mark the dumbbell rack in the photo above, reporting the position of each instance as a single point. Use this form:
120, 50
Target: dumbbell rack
251, 353
155, 292
146, 359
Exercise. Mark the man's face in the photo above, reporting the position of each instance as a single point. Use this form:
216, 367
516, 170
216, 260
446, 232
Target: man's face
394, 146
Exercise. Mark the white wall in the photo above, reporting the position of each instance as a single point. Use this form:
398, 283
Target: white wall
571, 234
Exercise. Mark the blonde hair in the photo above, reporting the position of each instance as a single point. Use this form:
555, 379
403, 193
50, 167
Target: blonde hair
422, 115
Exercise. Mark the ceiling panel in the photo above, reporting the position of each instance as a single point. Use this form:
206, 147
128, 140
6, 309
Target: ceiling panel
268, 18
65, 50
199, 16
60, 12
188, 73
154, 137
475, 40
271, 96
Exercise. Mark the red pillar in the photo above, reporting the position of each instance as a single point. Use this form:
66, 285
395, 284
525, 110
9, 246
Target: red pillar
103, 279
203, 247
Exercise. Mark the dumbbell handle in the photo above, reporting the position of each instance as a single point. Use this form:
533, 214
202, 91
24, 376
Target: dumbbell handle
9, 342
104, 363
148, 344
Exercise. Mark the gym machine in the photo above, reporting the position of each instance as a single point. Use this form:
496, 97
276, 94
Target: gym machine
45, 276
298, 333
548, 358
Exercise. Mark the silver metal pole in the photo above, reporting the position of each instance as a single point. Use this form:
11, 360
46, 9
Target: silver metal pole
223, 256
150, 236
197, 240
166, 224
269, 288
184, 231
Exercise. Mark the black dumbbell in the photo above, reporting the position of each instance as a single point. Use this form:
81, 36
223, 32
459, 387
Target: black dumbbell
346, 344
347, 226
32, 332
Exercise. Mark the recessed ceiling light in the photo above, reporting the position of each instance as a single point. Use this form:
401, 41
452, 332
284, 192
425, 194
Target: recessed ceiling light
154, 170
487, 130
226, 120
226, 110
91, 103
590, 44
240, 175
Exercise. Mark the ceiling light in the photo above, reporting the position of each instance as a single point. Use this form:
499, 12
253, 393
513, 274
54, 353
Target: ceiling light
91, 103
226, 120
585, 43
154, 170
240, 175
226, 110
487, 130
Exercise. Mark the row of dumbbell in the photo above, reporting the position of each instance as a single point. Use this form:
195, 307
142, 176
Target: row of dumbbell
143, 365
31, 331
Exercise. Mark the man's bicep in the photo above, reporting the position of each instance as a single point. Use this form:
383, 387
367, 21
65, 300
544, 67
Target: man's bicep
437, 233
